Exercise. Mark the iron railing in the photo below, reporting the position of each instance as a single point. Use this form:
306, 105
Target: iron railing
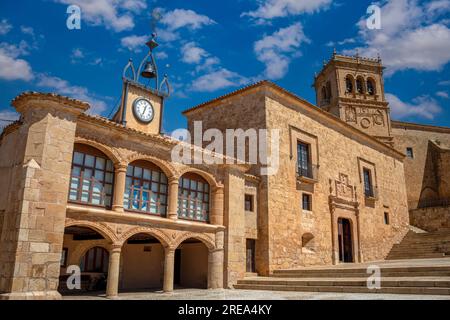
371, 193
309, 172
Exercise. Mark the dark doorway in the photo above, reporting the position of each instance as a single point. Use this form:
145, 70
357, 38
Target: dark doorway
345, 240
250, 263
177, 271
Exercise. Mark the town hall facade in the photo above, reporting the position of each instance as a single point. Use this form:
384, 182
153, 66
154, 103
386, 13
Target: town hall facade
106, 196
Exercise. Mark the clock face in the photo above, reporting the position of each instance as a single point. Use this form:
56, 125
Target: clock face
143, 110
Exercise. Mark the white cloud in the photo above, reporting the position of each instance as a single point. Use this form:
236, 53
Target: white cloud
191, 53
270, 9
277, 50
63, 87
27, 30
181, 18
77, 53
411, 36
134, 43
9, 115
161, 55
166, 35
442, 94
11, 66
444, 83
5, 27
117, 15
423, 107
216, 80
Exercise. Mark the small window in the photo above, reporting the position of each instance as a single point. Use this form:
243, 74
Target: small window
410, 153
368, 186
370, 87
386, 218
348, 84
249, 203
307, 202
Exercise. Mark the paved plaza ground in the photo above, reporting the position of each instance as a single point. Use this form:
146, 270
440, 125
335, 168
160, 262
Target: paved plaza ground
198, 294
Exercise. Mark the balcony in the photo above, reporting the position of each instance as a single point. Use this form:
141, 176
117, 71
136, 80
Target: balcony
309, 174
371, 193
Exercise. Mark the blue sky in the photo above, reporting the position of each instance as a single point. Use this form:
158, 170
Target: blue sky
209, 48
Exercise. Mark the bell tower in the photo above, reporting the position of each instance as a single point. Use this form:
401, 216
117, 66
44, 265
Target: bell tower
352, 89
143, 96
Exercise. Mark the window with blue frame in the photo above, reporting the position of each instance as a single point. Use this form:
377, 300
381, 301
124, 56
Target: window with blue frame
146, 189
368, 186
193, 198
92, 177
304, 168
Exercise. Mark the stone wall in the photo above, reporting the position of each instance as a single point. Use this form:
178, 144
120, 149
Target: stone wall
431, 219
422, 172
341, 153
340, 158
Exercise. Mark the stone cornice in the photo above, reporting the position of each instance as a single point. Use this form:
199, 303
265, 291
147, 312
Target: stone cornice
37, 99
348, 129
143, 219
419, 127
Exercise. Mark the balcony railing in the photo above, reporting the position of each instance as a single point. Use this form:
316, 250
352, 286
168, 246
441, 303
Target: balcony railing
371, 193
308, 173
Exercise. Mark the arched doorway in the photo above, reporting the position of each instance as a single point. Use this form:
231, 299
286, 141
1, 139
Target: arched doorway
88, 249
345, 240
191, 265
142, 266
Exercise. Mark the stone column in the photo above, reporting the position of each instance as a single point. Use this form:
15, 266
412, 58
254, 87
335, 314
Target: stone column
119, 187
173, 198
216, 263
112, 288
169, 264
217, 206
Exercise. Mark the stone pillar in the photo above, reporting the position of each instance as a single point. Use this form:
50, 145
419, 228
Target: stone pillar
35, 214
173, 198
169, 265
217, 206
119, 187
216, 263
112, 288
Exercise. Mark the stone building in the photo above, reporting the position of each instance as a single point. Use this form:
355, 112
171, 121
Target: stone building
105, 194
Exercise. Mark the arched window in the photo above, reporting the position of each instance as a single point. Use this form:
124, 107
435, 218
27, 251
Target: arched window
146, 188
370, 87
360, 85
324, 93
95, 260
329, 95
349, 84
193, 198
308, 244
92, 177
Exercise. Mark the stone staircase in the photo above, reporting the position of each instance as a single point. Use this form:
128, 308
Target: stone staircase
422, 245
424, 276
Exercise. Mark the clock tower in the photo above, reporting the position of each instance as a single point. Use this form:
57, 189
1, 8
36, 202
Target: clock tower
143, 96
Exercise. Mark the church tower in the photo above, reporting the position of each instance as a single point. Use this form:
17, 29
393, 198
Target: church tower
352, 89
143, 96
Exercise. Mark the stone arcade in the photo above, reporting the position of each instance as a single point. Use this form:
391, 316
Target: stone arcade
104, 194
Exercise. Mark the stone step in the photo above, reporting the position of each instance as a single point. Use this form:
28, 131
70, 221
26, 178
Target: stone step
351, 270
347, 289
429, 282
362, 275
